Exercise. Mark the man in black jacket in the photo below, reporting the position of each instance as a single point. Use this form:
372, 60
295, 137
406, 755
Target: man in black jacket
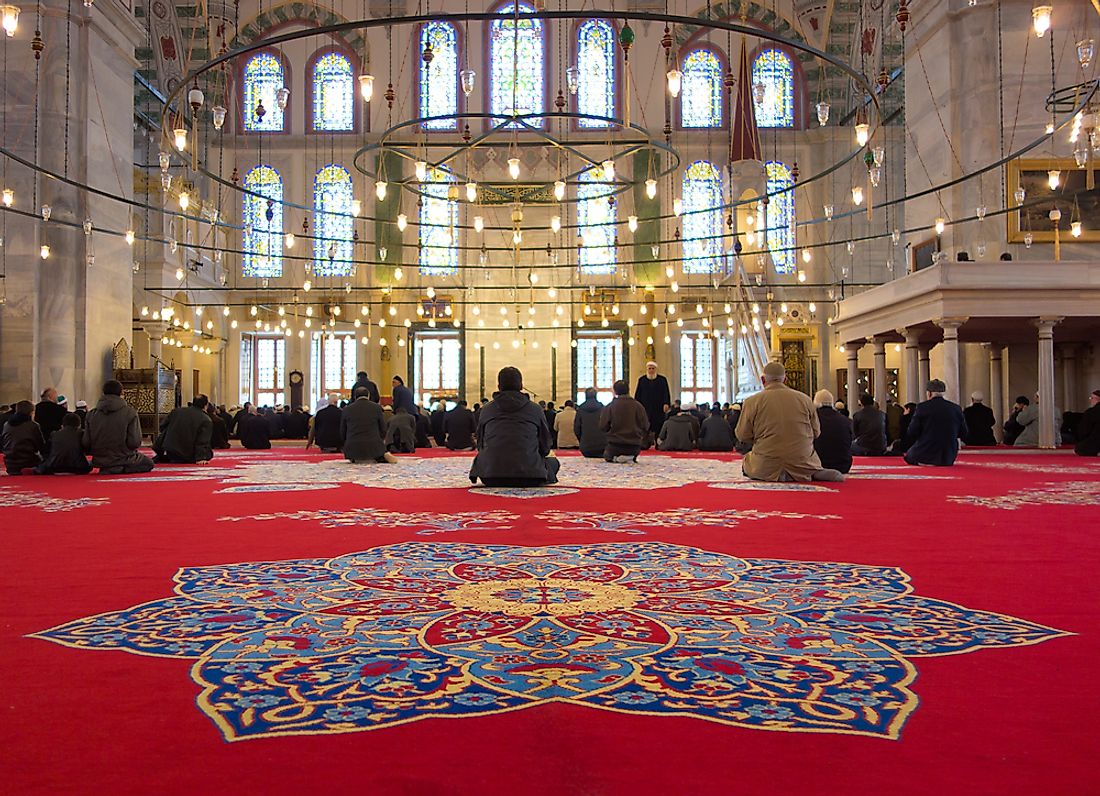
362, 381
979, 422
1088, 429
325, 432
459, 428
185, 435
438, 419
586, 425
834, 444
21, 440
513, 440
715, 433
1012, 427
48, 414
936, 428
253, 431
66, 450
363, 430
652, 392
868, 428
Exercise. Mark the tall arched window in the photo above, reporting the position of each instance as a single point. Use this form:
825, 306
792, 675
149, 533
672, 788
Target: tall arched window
702, 235
438, 222
333, 245
517, 62
701, 91
262, 218
332, 84
438, 85
596, 77
773, 70
263, 77
596, 224
780, 217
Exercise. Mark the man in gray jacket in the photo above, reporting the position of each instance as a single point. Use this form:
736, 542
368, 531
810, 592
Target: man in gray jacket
112, 435
185, 435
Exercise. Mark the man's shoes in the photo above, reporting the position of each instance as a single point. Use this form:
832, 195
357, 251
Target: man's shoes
623, 459
828, 475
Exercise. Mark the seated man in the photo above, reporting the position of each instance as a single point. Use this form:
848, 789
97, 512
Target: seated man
834, 444
586, 426
66, 450
401, 432
253, 430
868, 428
21, 440
1088, 428
185, 435
781, 425
936, 428
1028, 419
680, 431
363, 430
513, 440
564, 436
715, 433
459, 428
112, 435
219, 432
325, 431
626, 424
979, 421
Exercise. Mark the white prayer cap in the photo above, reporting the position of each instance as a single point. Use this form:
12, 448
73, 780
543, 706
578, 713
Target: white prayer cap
977, 395
651, 362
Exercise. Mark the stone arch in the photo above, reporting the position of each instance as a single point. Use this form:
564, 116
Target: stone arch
290, 13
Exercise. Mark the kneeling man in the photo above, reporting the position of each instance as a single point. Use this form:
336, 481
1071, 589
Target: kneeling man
363, 429
513, 439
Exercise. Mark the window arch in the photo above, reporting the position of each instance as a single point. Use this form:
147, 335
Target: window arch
517, 62
438, 222
597, 78
262, 218
264, 74
779, 217
701, 103
332, 93
595, 223
333, 228
702, 201
774, 71
437, 87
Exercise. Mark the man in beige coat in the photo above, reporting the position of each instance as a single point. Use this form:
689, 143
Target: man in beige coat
563, 427
781, 424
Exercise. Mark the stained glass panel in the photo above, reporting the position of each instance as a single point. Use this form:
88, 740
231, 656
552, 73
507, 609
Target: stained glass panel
517, 69
596, 72
774, 71
596, 222
263, 77
780, 218
439, 79
702, 228
262, 218
333, 93
333, 247
696, 368
701, 90
438, 220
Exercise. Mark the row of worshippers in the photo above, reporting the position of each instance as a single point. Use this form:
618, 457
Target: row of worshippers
48, 412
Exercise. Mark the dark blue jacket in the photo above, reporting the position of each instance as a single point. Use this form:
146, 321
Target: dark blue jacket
934, 432
513, 440
403, 399
834, 444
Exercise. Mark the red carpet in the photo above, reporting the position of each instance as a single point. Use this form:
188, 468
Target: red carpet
1009, 534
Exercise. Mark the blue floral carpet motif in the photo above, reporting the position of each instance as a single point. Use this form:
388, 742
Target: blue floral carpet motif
417, 630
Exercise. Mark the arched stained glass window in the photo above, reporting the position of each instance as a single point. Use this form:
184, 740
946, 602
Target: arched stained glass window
780, 217
596, 78
701, 91
262, 218
332, 222
773, 70
438, 222
596, 224
333, 85
517, 56
702, 233
438, 94
263, 77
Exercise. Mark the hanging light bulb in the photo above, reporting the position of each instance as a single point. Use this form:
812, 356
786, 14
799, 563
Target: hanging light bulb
468, 77
632, 223
651, 188
675, 81
807, 255
559, 190
517, 237
366, 87
677, 206
380, 189
185, 200
44, 252
555, 224
479, 224
1086, 48
828, 212
218, 112
421, 170
513, 168
282, 97
857, 194
306, 287
382, 252
1040, 19
1075, 229
402, 222
87, 226
1054, 179
8, 197
10, 19
941, 225
608, 168
180, 137
130, 237
356, 207
179, 274
47, 211
822, 113
1019, 195
398, 274
863, 133
289, 240
572, 79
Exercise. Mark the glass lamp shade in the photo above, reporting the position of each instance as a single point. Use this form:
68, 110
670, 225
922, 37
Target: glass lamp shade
1075, 229
468, 78
1054, 179
479, 224
421, 170
651, 188
863, 133
572, 79
282, 97
559, 190
366, 87
9, 16
608, 167
823, 113
218, 114
402, 222
513, 168
675, 82
380, 190
179, 136
471, 192
1086, 49
1040, 19
857, 195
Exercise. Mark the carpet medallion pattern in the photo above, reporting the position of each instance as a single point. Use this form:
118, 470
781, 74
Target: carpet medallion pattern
415, 630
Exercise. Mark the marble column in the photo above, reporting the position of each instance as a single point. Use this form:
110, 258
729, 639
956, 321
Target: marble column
912, 365
1070, 400
924, 372
996, 388
878, 346
852, 350
1046, 380
155, 330
951, 373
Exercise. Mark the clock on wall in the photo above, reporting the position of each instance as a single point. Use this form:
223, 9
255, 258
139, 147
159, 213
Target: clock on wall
295, 378
296, 388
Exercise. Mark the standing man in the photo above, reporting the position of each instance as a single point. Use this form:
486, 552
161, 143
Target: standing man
363, 381
653, 394
936, 428
403, 397
979, 422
